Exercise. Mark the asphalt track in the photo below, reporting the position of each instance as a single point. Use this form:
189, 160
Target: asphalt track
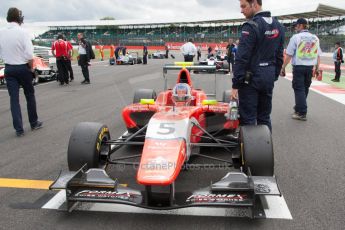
309, 156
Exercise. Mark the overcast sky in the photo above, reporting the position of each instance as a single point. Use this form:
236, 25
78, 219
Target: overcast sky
66, 10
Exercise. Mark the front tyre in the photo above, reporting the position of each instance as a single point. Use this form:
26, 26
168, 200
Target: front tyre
86, 146
257, 150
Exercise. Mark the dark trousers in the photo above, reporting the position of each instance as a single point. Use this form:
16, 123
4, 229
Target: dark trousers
255, 98
231, 62
337, 70
188, 58
70, 70
17, 76
145, 59
84, 64
199, 55
62, 69
301, 82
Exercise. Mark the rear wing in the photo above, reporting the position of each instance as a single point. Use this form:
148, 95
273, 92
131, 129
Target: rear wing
189, 66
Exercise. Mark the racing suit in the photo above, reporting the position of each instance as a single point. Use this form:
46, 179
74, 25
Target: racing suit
259, 59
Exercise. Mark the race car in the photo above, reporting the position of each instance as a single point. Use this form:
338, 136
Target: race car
129, 59
158, 55
42, 72
221, 66
222, 56
172, 131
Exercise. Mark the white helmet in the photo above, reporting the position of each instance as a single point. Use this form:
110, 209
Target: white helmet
182, 93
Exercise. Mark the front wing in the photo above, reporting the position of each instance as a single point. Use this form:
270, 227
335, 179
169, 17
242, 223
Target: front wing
234, 190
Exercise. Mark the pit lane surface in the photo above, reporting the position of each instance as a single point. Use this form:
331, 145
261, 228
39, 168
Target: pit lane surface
309, 156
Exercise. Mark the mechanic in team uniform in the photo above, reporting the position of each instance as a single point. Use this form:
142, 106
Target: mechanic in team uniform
259, 59
61, 51
304, 50
69, 59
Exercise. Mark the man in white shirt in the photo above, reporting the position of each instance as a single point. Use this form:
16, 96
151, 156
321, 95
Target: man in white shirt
304, 53
188, 50
17, 52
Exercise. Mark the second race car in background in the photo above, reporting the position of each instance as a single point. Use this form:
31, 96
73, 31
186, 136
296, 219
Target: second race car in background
42, 72
158, 55
129, 59
221, 66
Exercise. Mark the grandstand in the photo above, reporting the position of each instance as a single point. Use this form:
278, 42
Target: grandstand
324, 20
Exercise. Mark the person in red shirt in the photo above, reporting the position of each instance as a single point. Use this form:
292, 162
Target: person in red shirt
69, 60
61, 52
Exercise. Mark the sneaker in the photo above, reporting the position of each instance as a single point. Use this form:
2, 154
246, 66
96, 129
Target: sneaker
20, 134
38, 125
298, 116
87, 82
83, 82
71, 79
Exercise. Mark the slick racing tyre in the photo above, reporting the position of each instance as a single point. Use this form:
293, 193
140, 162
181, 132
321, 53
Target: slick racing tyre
86, 146
226, 96
144, 94
257, 150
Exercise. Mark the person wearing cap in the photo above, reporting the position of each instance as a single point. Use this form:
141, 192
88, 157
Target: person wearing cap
258, 61
304, 53
188, 50
17, 52
338, 59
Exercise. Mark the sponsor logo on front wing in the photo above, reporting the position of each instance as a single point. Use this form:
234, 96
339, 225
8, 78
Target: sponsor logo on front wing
104, 194
217, 198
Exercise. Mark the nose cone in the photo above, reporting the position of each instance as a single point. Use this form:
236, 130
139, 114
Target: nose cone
161, 161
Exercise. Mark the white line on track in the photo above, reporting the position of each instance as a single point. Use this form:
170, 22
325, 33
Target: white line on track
339, 97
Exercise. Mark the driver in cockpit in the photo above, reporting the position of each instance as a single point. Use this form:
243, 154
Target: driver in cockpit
182, 94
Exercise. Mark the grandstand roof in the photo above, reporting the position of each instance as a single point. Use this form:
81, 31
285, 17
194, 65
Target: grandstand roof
310, 11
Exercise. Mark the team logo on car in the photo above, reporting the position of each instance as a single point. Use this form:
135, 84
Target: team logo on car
104, 194
217, 198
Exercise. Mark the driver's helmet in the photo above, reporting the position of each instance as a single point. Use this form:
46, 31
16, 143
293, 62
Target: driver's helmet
182, 93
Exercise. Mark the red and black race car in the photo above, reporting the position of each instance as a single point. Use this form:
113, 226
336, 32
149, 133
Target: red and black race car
170, 130
42, 72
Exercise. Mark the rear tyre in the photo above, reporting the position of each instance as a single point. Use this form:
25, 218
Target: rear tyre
144, 94
227, 96
85, 146
257, 150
